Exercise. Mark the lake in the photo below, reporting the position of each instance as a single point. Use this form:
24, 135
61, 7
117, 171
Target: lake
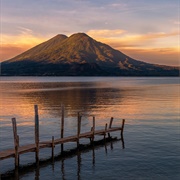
150, 106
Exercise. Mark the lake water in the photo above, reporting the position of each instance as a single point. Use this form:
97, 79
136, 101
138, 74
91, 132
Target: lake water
151, 107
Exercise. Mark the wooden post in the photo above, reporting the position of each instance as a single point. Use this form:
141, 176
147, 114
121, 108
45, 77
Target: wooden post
110, 125
93, 129
122, 128
105, 131
105, 138
52, 147
36, 132
78, 128
62, 126
16, 142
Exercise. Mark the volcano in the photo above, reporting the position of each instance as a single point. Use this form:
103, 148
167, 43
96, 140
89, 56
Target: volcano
79, 55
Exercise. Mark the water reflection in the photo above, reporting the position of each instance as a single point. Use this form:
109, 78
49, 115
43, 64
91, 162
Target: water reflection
78, 165
37, 173
99, 98
89, 98
62, 169
40, 169
84, 99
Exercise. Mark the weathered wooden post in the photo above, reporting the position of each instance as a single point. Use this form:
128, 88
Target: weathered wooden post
122, 128
110, 125
62, 126
93, 129
36, 132
105, 131
78, 128
52, 147
16, 142
105, 145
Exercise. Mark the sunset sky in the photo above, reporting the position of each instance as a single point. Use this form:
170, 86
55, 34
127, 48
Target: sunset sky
146, 30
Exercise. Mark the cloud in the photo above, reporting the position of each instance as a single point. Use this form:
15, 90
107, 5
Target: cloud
121, 38
119, 5
25, 37
157, 35
9, 51
176, 22
12, 45
163, 56
105, 32
24, 30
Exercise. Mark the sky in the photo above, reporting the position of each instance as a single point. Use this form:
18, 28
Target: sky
146, 30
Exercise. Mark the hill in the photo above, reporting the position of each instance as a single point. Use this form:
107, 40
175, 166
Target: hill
77, 55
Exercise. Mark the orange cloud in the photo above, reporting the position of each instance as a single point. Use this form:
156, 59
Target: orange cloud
164, 56
12, 45
9, 51
23, 38
157, 35
131, 40
121, 37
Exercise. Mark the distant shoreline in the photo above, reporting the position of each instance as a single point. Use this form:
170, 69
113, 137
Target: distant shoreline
87, 76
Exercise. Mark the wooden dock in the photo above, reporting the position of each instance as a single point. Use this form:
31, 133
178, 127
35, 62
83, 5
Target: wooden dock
51, 143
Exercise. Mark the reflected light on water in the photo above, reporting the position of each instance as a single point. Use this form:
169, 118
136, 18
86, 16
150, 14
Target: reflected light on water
102, 100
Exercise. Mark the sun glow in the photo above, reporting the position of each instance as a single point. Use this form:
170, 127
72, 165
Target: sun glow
12, 45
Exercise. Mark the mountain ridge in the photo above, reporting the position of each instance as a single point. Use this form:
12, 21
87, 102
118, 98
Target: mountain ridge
62, 55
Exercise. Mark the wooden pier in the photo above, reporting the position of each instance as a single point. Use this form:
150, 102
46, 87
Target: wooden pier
51, 143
